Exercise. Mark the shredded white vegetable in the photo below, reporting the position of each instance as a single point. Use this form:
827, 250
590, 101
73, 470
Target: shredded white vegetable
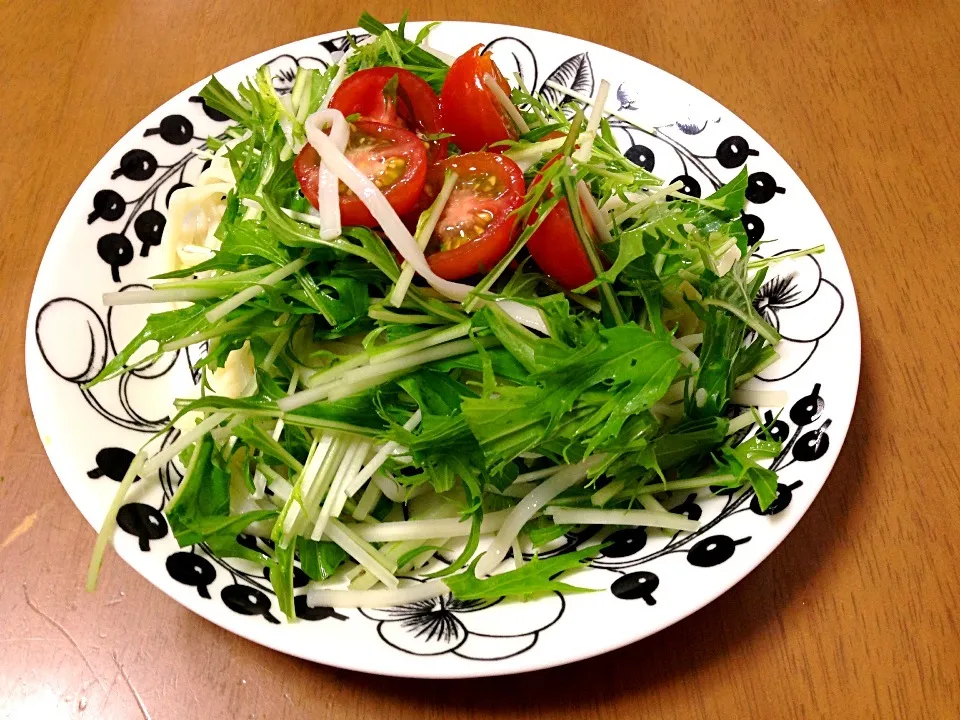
759, 398
506, 103
424, 232
727, 260
646, 518
424, 529
381, 598
593, 211
247, 294
183, 442
110, 519
381, 456
585, 148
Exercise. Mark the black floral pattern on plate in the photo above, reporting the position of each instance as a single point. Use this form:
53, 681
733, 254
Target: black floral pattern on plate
467, 629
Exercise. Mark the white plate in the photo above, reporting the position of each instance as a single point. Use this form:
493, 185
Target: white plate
106, 241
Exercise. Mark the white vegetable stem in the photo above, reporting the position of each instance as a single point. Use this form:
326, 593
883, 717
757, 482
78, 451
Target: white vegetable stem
424, 232
647, 518
184, 441
368, 501
382, 598
143, 297
425, 529
353, 458
394, 491
251, 292
593, 211
367, 376
507, 103
528, 156
435, 337
335, 83
381, 456
759, 398
644, 201
687, 356
584, 150
530, 506
363, 552
727, 260
537, 474
691, 341
110, 520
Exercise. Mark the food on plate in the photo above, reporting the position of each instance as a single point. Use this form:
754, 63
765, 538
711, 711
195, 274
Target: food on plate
448, 328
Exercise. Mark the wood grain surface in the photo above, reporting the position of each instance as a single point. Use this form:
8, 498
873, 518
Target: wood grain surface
856, 615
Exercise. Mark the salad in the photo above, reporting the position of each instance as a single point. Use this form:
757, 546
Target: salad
448, 328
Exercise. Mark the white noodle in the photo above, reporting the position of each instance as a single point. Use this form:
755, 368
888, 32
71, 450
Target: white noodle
328, 197
530, 506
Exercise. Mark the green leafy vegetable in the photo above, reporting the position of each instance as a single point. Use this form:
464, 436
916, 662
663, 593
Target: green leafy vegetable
533, 578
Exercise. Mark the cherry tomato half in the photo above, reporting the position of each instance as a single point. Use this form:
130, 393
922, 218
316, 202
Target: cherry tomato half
468, 107
393, 158
556, 247
411, 105
476, 228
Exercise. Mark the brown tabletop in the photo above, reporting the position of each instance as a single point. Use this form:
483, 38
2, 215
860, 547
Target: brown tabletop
855, 615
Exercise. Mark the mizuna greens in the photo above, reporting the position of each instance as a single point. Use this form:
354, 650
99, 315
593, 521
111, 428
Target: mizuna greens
368, 432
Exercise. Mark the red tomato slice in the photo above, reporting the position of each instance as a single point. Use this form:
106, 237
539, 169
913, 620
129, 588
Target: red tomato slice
556, 247
468, 107
476, 228
393, 158
413, 106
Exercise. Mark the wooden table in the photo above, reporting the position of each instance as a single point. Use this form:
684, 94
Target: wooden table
856, 615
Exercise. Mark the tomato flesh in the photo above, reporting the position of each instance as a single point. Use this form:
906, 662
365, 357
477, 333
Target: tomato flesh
467, 106
476, 227
412, 106
393, 158
556, 246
